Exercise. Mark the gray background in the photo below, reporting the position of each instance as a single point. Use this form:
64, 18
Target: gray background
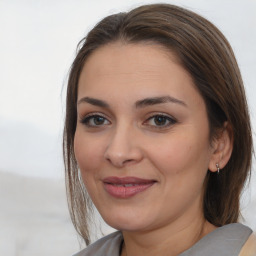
37, 46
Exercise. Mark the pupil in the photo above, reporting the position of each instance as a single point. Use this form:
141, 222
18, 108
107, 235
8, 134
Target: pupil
98, 120
160, 120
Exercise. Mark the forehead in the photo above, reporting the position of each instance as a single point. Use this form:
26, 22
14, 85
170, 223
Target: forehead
134, 70
128, 59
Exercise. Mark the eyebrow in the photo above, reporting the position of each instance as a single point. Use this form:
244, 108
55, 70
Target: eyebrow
93, 101
158, 100
139, 104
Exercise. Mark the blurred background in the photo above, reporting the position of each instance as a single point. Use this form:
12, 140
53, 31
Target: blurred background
37, 46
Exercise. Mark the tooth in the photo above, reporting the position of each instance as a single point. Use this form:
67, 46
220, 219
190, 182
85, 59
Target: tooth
125, 185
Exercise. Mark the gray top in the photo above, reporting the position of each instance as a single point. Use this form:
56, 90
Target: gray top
224, 241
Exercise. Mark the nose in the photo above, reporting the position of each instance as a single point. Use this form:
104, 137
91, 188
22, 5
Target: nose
123, 148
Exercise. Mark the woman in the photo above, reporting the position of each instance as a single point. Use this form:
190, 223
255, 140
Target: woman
158, 131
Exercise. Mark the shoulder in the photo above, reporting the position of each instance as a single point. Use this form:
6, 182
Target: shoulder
226, 240
249, 248
108, 245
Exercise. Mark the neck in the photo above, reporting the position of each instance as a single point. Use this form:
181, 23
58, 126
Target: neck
169, 240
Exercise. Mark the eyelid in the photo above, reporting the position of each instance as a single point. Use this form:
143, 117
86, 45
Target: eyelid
153, 114
84, 118
171, 119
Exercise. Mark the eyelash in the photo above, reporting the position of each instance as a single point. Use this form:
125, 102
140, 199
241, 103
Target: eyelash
167, 118
90, 117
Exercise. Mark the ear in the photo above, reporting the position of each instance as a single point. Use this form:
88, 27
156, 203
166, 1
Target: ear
222, 147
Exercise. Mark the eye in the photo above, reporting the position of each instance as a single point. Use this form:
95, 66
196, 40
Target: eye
95, 120
160, 121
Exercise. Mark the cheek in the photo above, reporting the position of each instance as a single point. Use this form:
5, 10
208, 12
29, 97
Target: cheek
181, 154
88, 152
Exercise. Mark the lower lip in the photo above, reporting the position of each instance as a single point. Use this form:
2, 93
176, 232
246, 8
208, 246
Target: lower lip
126, 192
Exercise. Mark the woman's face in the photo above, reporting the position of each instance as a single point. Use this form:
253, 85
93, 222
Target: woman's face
142, 137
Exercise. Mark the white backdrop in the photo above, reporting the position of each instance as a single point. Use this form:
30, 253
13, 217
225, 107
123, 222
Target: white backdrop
37, 46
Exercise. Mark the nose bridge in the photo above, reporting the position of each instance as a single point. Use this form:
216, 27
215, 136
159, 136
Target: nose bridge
123, 145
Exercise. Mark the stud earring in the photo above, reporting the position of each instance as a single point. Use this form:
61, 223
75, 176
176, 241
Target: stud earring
218, 168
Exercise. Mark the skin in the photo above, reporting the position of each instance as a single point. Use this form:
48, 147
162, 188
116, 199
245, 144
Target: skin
127, 141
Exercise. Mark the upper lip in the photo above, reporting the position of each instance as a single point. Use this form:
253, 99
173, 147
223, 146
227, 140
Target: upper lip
127, 180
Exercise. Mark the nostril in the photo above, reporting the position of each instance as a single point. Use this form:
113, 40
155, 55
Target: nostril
120, 153
127, 161
119, 162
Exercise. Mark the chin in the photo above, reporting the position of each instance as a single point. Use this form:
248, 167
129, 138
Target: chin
128, 226
127, 222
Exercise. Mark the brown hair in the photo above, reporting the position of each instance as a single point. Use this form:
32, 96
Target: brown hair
206, 54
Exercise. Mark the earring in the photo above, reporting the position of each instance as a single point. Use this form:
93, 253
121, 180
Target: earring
218, 168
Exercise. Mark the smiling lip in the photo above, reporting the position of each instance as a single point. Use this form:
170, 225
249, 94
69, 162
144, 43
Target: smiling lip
127, 186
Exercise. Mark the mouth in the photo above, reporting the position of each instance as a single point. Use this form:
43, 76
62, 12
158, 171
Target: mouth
126, 187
